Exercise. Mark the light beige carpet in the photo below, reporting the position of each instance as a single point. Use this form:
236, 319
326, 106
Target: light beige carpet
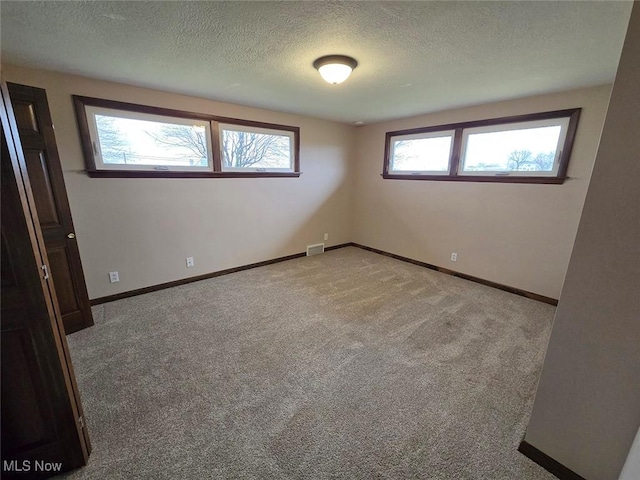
345, 365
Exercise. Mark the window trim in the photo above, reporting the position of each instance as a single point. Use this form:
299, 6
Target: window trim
455, 159
563, 122
422, 136
260, 130
213, 120
97, 147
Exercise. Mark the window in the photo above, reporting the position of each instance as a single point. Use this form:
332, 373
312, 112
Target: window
529, 148
259, 149
122, 139
525, 149
422, 153
136, 141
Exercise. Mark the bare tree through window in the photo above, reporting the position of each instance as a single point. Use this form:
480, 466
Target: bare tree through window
243, 149
544, 161
186, 137
239, 148
518, 158
114, 147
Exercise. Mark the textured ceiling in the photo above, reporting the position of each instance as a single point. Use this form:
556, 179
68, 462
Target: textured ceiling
414, 57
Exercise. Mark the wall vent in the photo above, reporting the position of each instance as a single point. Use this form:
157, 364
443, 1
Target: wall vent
316, 249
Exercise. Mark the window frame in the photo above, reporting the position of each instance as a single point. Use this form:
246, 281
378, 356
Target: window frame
455, 162
422, 136
97, 147
213, 171
259, 130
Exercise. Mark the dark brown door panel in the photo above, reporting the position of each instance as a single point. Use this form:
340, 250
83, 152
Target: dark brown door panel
47, 183
41, 412
40, 183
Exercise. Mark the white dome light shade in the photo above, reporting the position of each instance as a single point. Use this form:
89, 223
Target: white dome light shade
335, 68
335, 72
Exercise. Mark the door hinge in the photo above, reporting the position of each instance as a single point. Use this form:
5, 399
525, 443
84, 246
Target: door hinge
46, 272
81, 422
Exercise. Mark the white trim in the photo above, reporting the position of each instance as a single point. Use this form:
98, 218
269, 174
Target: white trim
91, 112
222, 127
562, 122
421, 136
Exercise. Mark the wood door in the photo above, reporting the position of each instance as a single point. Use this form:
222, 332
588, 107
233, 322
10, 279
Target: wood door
47, 183
43, 430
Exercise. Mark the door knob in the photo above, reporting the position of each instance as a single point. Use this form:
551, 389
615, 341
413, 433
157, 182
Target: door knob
71, 235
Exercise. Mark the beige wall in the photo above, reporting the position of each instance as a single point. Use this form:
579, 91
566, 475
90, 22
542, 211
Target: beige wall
514, 234
587, 408
145, 228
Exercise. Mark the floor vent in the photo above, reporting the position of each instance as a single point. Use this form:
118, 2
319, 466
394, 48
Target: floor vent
316, 249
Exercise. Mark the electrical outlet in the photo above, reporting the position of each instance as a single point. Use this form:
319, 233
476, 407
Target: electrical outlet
454, 257
114, 277
326, 237
190, 262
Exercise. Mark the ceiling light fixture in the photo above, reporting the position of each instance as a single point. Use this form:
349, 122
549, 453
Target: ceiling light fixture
335, 68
